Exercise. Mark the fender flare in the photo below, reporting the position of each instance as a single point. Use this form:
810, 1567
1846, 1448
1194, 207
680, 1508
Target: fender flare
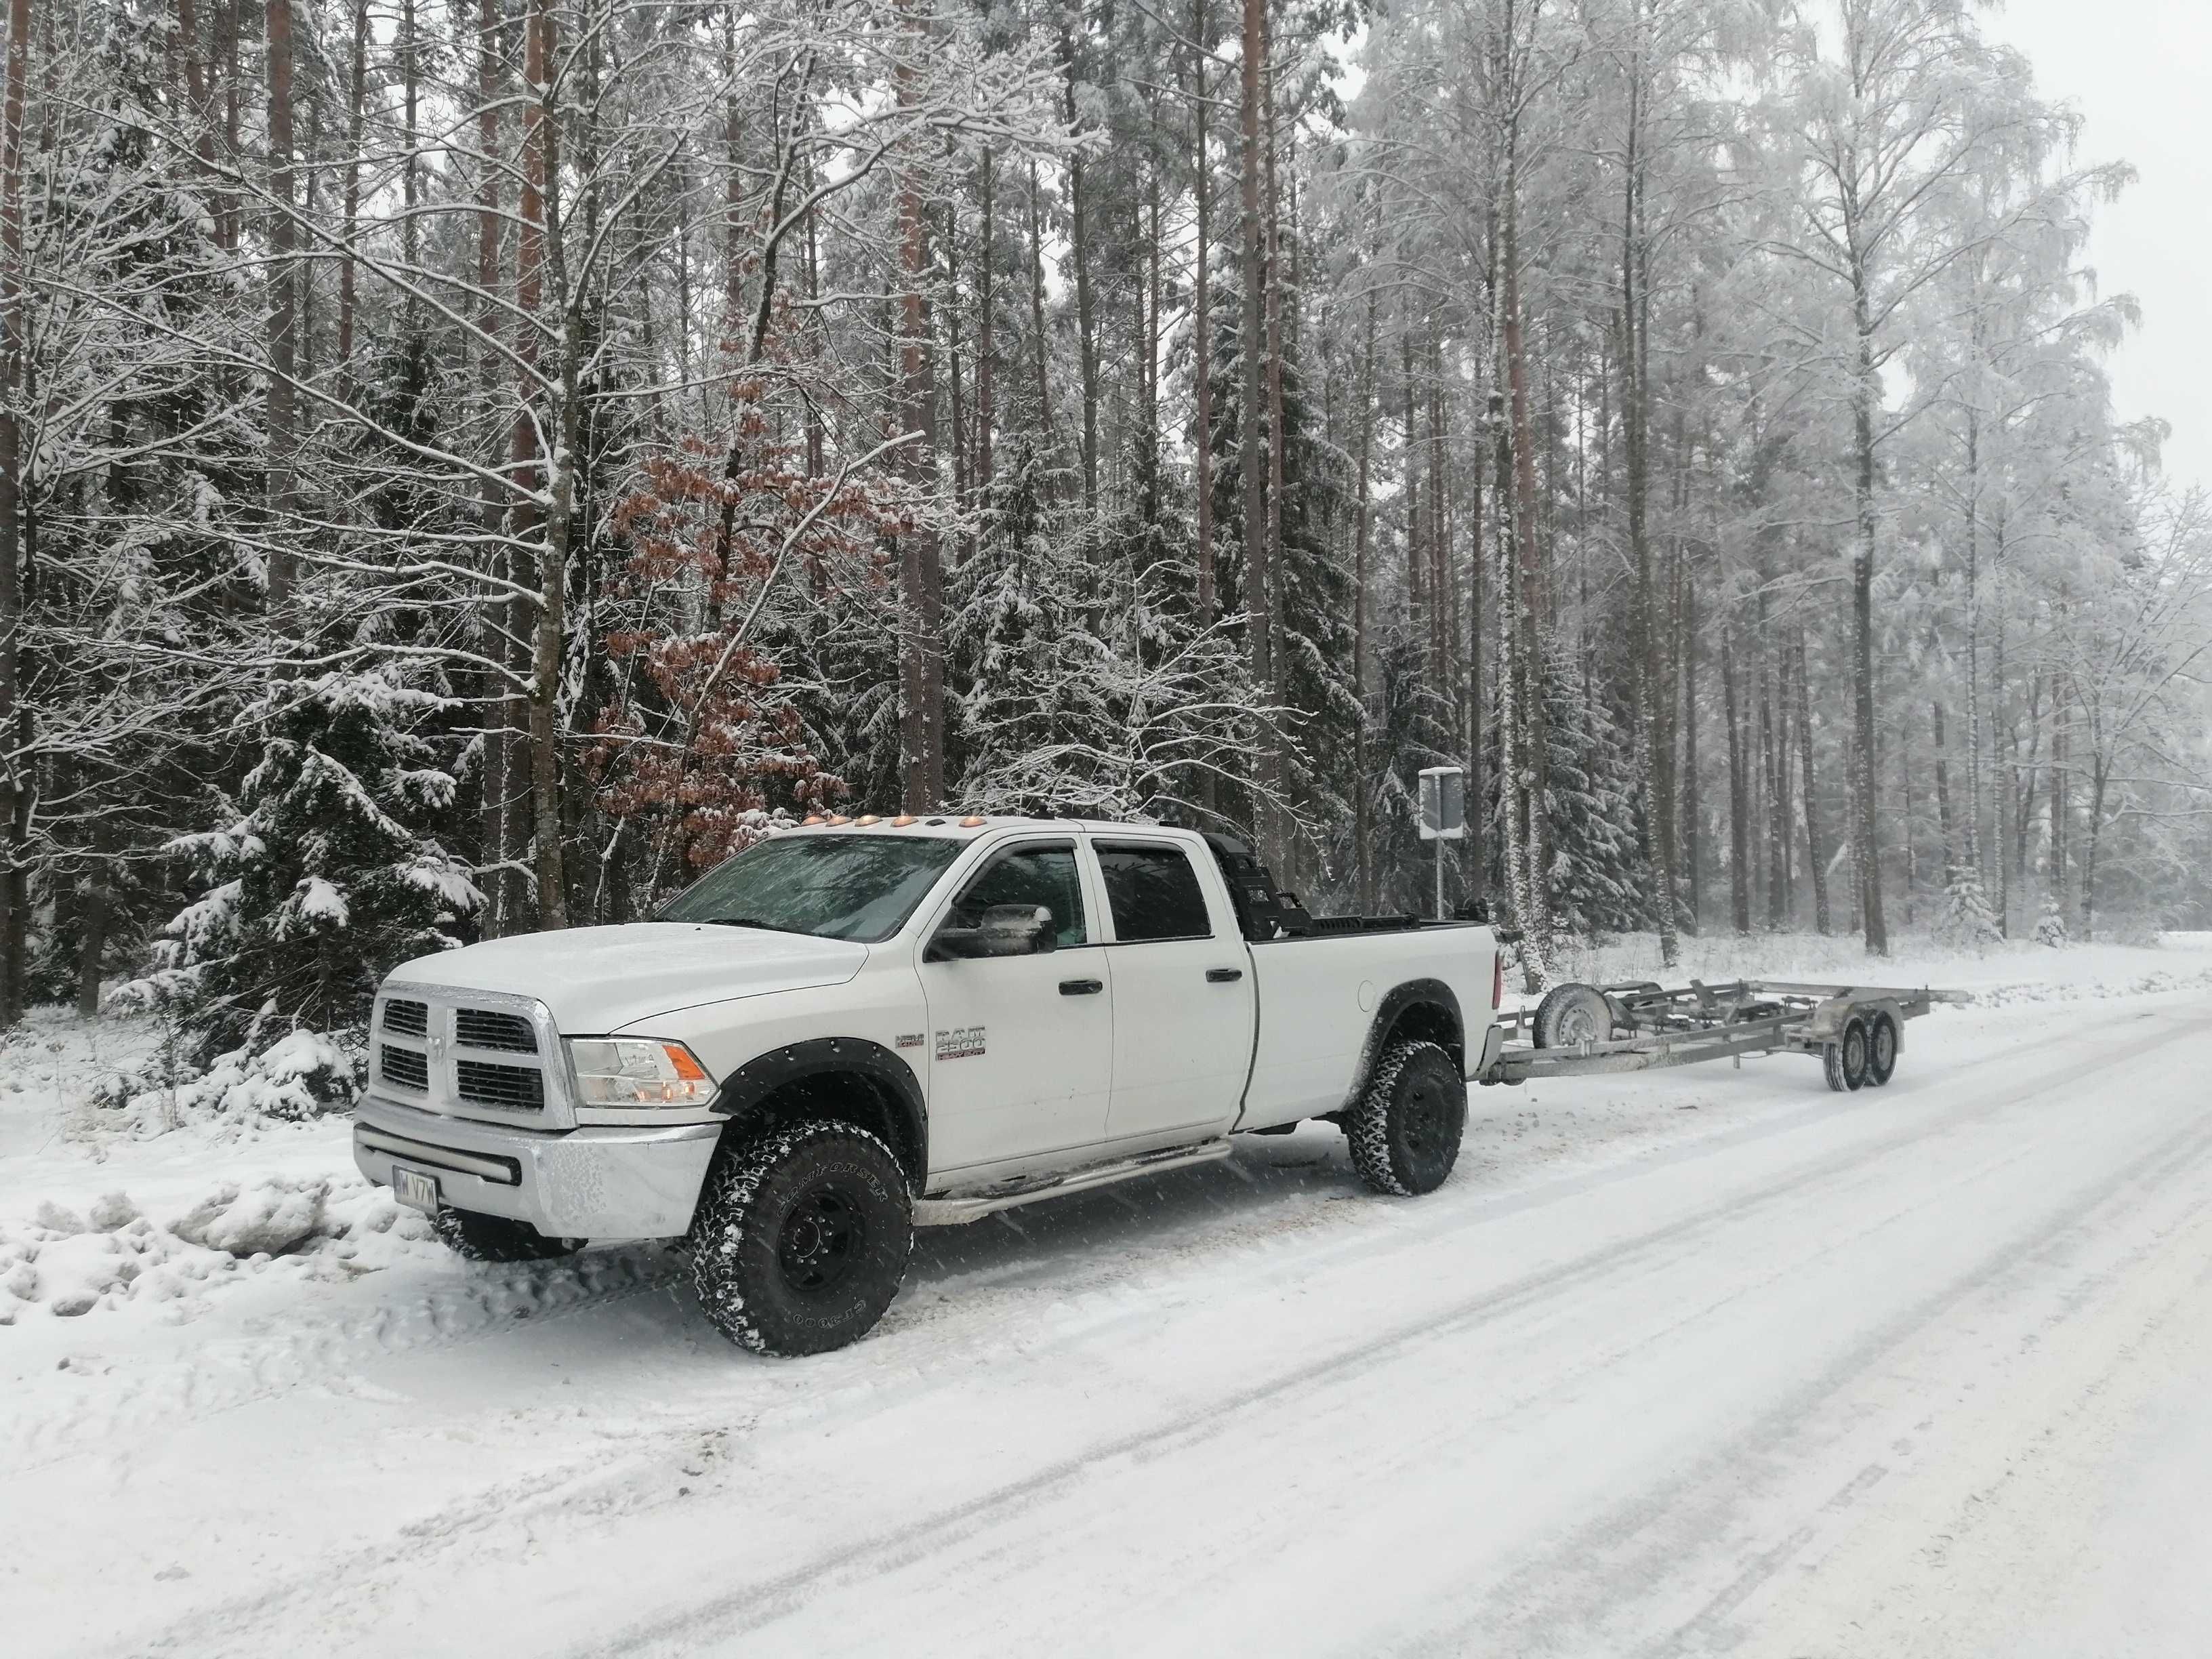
761, 1077
1395, 1003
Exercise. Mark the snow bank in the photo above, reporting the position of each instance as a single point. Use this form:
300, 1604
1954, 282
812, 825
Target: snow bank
63, 1264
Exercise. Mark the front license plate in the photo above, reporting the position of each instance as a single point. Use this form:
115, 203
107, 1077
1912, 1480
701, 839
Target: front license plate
413, 1187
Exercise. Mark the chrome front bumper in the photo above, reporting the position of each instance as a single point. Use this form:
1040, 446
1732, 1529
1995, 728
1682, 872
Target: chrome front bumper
625, 1183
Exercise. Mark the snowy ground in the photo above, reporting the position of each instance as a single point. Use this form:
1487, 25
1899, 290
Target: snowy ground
1713, 1361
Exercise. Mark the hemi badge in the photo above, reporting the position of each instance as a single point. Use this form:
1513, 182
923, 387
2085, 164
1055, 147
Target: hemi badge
912, 1040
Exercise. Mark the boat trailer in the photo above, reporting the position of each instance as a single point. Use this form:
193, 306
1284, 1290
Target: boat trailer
1856, 1031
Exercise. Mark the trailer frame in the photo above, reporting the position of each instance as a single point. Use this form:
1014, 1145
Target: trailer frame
1688, 1024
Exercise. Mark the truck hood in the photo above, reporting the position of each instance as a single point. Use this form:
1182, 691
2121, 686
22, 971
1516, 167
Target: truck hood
598, 980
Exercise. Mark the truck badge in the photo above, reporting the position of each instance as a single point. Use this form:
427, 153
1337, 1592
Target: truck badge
961, 1042
910, 1039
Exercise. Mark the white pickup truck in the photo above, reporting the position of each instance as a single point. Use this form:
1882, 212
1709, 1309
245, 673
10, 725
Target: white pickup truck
861, 1027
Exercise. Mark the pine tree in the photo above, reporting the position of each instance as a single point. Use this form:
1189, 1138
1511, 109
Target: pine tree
1596, 883
324, 880
1965, 920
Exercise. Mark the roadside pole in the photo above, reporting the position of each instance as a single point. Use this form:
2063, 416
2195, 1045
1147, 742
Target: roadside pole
1442, 812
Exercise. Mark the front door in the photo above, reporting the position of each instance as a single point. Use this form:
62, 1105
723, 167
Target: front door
1022, 1046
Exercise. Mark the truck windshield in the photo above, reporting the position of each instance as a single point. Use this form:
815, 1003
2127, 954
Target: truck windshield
854, 887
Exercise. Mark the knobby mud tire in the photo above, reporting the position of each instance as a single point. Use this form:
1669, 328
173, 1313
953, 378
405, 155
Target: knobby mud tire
801, 1238
1406, 1130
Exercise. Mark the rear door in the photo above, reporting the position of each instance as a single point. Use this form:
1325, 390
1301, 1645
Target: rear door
1021, 1046
1183, 998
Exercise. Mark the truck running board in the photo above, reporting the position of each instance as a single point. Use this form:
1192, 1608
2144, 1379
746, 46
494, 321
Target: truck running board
956, 1208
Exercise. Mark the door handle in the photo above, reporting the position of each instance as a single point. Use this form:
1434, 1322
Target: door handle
1224, 975
1081, 987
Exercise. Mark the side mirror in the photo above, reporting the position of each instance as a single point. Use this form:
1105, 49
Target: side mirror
1018, 930
1006, 930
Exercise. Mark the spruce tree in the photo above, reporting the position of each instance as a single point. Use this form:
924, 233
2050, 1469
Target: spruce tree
324, 878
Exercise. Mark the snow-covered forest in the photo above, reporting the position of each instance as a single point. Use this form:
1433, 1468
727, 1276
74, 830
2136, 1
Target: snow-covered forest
466, 467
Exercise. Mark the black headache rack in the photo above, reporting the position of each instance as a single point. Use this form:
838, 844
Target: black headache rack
1265, 912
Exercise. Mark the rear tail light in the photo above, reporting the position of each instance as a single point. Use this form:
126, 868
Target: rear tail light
1497, 980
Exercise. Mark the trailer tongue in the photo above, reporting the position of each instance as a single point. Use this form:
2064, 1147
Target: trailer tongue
1581, 1030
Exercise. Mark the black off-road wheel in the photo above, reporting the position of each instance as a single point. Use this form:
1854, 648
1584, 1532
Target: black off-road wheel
1881, 1049
1406, 1129
801, 1238
1845, 1059
1571, 1015
482, 1237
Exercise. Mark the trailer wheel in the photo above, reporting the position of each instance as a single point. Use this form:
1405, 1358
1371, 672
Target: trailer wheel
1881, 1049
1571, 1015
801, 1238
1405, 1130
1846, 1058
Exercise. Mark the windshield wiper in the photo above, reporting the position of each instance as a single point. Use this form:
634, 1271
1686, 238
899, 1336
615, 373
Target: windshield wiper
755, 921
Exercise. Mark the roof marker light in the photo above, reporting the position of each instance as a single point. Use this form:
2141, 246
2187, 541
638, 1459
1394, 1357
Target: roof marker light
811, 818
901, 820
837, 817
972, 822
867, 818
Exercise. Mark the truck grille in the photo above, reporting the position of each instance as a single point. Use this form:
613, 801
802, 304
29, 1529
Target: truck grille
406, 1018
509, 1088
402, 1067
483, 1028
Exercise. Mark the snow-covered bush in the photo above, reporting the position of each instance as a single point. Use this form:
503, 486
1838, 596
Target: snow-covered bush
2051, 926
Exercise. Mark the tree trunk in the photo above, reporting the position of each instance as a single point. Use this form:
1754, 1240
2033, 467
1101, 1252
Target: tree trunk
1738, 804
1363, 538
1079, 247
2062, 796
1037, 308
1253, 261
1201, 323
2093, 829
922, 582
985, 329
539, 228
1535, 765
357, 116
282, 343
1816, 852
92, 950
1866, 400
1774, 744
1943, 823
14, 378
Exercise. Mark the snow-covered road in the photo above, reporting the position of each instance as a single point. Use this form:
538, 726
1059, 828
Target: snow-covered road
1715, 1361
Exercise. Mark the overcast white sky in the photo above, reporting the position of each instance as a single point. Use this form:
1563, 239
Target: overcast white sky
2140, 71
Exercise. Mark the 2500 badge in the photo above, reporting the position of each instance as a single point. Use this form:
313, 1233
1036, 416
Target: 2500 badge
961, 1042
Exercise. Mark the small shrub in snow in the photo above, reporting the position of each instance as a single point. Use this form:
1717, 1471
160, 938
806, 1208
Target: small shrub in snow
2051, 926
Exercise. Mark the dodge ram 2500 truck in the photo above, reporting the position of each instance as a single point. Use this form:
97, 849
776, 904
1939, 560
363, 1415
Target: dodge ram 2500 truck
856, 1028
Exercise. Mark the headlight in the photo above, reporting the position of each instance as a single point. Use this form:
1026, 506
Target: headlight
637, 1072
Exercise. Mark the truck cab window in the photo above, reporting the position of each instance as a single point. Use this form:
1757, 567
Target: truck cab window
1028, 875
1153, 893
